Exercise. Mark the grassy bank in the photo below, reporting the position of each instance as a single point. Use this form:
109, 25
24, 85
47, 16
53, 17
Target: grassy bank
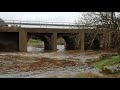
35, 43
115, 60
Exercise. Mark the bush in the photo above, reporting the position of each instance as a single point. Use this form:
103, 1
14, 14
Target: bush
61, 41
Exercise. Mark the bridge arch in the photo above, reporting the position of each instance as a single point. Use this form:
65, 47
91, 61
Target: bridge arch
96, 44
94, 41
70, 41
61, 44
43, 37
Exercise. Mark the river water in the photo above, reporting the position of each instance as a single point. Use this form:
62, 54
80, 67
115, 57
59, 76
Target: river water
40, 63
63, 54
60, 48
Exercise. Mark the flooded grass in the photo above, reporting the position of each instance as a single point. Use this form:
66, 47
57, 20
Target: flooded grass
115, 60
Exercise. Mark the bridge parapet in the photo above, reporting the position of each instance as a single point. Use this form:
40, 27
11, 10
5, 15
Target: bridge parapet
41, 24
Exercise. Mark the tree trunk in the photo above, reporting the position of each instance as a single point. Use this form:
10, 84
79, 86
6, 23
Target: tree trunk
117, 34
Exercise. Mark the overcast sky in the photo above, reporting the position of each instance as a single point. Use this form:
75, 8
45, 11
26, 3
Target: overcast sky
41, 16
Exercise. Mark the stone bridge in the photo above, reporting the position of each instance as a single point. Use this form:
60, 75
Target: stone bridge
16, 38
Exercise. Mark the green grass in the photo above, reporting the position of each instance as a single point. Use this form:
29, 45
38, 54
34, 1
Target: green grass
115, 60
61, 41
35, 43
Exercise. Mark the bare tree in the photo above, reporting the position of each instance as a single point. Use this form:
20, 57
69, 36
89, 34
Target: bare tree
104, 20
116, 24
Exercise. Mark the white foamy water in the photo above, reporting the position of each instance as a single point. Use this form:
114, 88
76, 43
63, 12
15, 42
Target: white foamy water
60, 48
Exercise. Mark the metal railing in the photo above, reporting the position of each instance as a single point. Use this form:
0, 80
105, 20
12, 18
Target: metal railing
41, 24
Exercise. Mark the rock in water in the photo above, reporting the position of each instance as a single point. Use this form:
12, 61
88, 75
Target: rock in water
112, 69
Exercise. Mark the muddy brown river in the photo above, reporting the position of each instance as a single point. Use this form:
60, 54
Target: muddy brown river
37, 63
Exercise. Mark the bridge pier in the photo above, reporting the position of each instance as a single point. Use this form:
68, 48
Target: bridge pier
22, 41
54, 42
110, 39
82, 41
107, 40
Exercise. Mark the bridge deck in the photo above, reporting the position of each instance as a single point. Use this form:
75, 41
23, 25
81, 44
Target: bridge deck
53, 30
41, 24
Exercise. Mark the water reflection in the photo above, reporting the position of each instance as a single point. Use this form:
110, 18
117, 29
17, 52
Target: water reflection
61, 48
